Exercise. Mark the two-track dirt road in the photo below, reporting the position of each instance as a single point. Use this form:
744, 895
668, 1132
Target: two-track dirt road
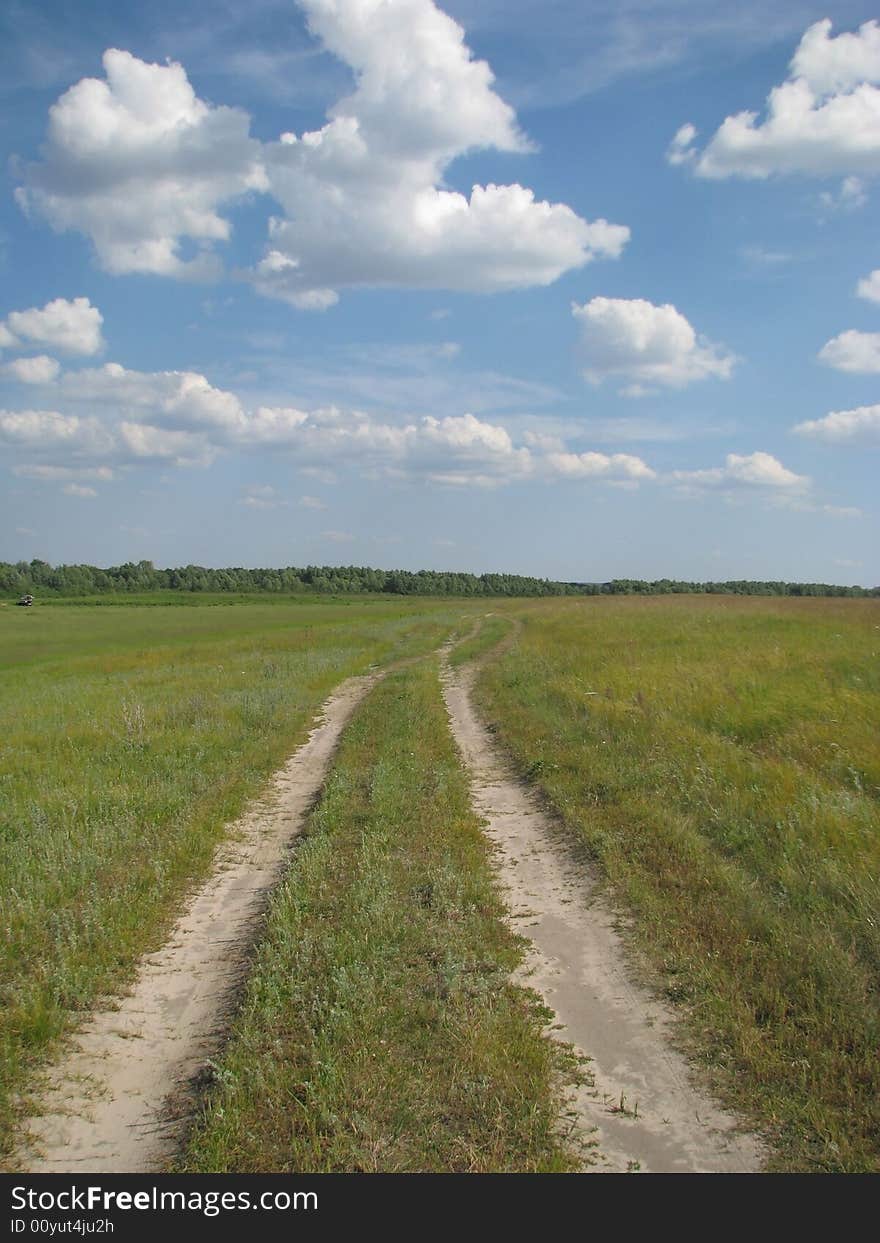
121, 1097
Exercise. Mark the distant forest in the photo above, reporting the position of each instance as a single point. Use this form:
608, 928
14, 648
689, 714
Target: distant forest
39, 578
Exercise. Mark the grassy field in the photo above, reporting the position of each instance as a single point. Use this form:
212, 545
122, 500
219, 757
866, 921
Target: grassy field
380, 1030
720, 758
130, 737
492, 629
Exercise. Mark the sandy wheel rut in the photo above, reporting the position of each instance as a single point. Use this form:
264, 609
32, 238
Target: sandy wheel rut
120, 1099
644, 1110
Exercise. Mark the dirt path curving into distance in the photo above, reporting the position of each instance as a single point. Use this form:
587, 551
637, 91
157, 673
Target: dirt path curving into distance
121, 1098
644, 1110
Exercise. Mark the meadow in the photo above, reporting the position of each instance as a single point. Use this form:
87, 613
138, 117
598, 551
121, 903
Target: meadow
720, 761
131, 736
717, 757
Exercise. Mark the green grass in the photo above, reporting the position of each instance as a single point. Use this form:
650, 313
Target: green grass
380, 1031
130, 738
721, 761
492, 630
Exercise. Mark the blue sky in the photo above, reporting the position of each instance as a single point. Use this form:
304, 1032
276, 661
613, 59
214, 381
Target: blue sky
577, 289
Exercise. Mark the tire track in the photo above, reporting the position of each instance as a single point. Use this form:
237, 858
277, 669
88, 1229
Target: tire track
121, 1098
644, 1109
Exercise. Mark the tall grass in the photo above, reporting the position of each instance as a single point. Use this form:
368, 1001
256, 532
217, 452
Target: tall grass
130, 738
380, 1031
721, 761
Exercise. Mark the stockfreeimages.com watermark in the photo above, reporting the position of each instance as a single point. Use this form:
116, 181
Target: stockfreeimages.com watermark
97, 1199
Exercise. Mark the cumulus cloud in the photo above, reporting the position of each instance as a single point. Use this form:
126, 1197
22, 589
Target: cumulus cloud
831, 65
644, 344
182, 400
74, 437
72, 327
141, 442
861, 425
364, 197
457, 450
753, 470
179, 418
50, 428
853, 351
41, 369
869, 286
824, 120
137, 162
592, 465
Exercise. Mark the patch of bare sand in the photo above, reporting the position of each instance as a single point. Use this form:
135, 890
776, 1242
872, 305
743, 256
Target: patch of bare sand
121, 1098
644, 1110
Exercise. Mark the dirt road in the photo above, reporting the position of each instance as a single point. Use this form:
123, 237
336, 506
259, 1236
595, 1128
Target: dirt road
644, 1110
121, 1098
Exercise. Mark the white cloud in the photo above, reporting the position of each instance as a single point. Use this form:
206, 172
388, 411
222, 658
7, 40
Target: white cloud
831, 65
70, 436
113, 418
72, 327
853, 351
681, 149
457, 450
262, 496
137, 162
591, 465
37, 370
861, 425
54, 473
803, 505
338, 537
364, 197
644, 344
45, 428
183, 400
869, 286
754, 470
823, 121
312, 502
78, 489
142, 442
850, 197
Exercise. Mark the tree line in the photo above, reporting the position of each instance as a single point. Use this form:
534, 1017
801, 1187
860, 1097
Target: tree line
40, 578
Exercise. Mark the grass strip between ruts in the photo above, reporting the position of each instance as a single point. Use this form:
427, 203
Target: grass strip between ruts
380, 1030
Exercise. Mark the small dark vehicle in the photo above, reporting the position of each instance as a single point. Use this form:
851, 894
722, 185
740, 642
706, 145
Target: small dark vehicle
26, 601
